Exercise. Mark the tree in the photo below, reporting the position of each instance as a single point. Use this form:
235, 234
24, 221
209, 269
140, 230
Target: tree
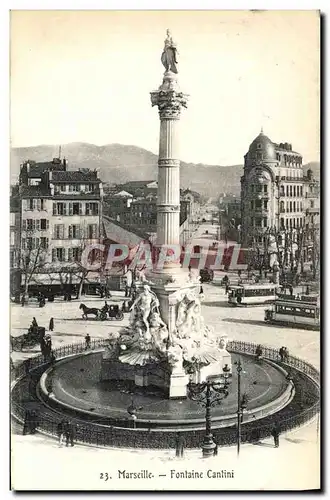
32, 259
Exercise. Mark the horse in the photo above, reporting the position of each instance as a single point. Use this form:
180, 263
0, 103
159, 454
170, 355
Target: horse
88, 310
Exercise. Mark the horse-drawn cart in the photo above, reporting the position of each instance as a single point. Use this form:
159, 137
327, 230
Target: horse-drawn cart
111, 311
108, 311
33, 337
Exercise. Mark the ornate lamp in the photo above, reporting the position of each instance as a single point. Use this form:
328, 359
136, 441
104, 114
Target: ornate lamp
209, 394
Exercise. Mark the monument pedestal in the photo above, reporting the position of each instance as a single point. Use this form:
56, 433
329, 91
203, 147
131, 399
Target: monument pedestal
178, 385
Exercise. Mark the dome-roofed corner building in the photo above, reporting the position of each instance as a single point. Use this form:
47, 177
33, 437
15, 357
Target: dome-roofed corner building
272, 189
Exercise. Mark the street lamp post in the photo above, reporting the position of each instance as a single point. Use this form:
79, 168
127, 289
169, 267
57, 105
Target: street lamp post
208, 394
241, 404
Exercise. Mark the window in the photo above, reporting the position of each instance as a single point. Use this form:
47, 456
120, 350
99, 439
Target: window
258, 203
294, 206
290, 190
31, 243
282, 191
259, 146
312, 203
258, 222
252, 221
74, 231
265, 204
294, 191
74, 254
59, 208
252, 205
44, 224
28, 225
265, 188
282, 208
92, 209
252, 188
287, 190
58, 231
12, 238
92, 231
33, 204
75, 208
290, 220
290, 206
44, 242
63, 188
287, 223
259, 188
265, 221
74, 188
282, 226
90, 188
12, 259
58, 254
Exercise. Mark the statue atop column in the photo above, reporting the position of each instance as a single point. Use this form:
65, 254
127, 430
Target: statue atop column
169, 55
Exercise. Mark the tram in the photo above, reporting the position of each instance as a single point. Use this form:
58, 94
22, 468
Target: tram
252, 294
294, 313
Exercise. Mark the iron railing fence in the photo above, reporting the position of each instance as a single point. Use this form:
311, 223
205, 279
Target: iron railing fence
93, 433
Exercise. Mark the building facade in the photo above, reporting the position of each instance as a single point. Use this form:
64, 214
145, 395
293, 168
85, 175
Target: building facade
274, 193
60, 212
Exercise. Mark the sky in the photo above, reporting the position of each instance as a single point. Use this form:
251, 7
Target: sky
86, 76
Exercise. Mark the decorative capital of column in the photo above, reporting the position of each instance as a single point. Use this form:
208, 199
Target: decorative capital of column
169, 103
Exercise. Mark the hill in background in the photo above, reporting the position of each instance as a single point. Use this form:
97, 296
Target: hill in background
117, 163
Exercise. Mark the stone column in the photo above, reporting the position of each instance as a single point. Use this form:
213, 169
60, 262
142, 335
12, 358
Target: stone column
169, 100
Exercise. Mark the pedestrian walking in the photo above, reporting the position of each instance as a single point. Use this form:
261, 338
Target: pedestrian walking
51, 324
69, 433
23, 300
215, 451
179, 445
258, 352
34, 323
276, 435
60, 431
282, 353
87, 341
27, 423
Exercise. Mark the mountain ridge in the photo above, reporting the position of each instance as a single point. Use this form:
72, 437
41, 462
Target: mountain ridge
120, 163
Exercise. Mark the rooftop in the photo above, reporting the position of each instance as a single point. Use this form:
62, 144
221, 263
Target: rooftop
75, 176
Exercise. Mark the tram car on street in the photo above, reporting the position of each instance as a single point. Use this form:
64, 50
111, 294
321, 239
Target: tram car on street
252, 294
295, 313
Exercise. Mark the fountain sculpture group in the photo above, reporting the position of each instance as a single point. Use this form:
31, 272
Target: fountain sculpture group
166, 343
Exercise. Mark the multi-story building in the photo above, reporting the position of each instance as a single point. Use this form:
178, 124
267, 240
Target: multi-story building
14, 240
273, 191
137, 208
60, 213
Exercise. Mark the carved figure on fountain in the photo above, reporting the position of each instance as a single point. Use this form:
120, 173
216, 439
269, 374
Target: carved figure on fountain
147, 334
